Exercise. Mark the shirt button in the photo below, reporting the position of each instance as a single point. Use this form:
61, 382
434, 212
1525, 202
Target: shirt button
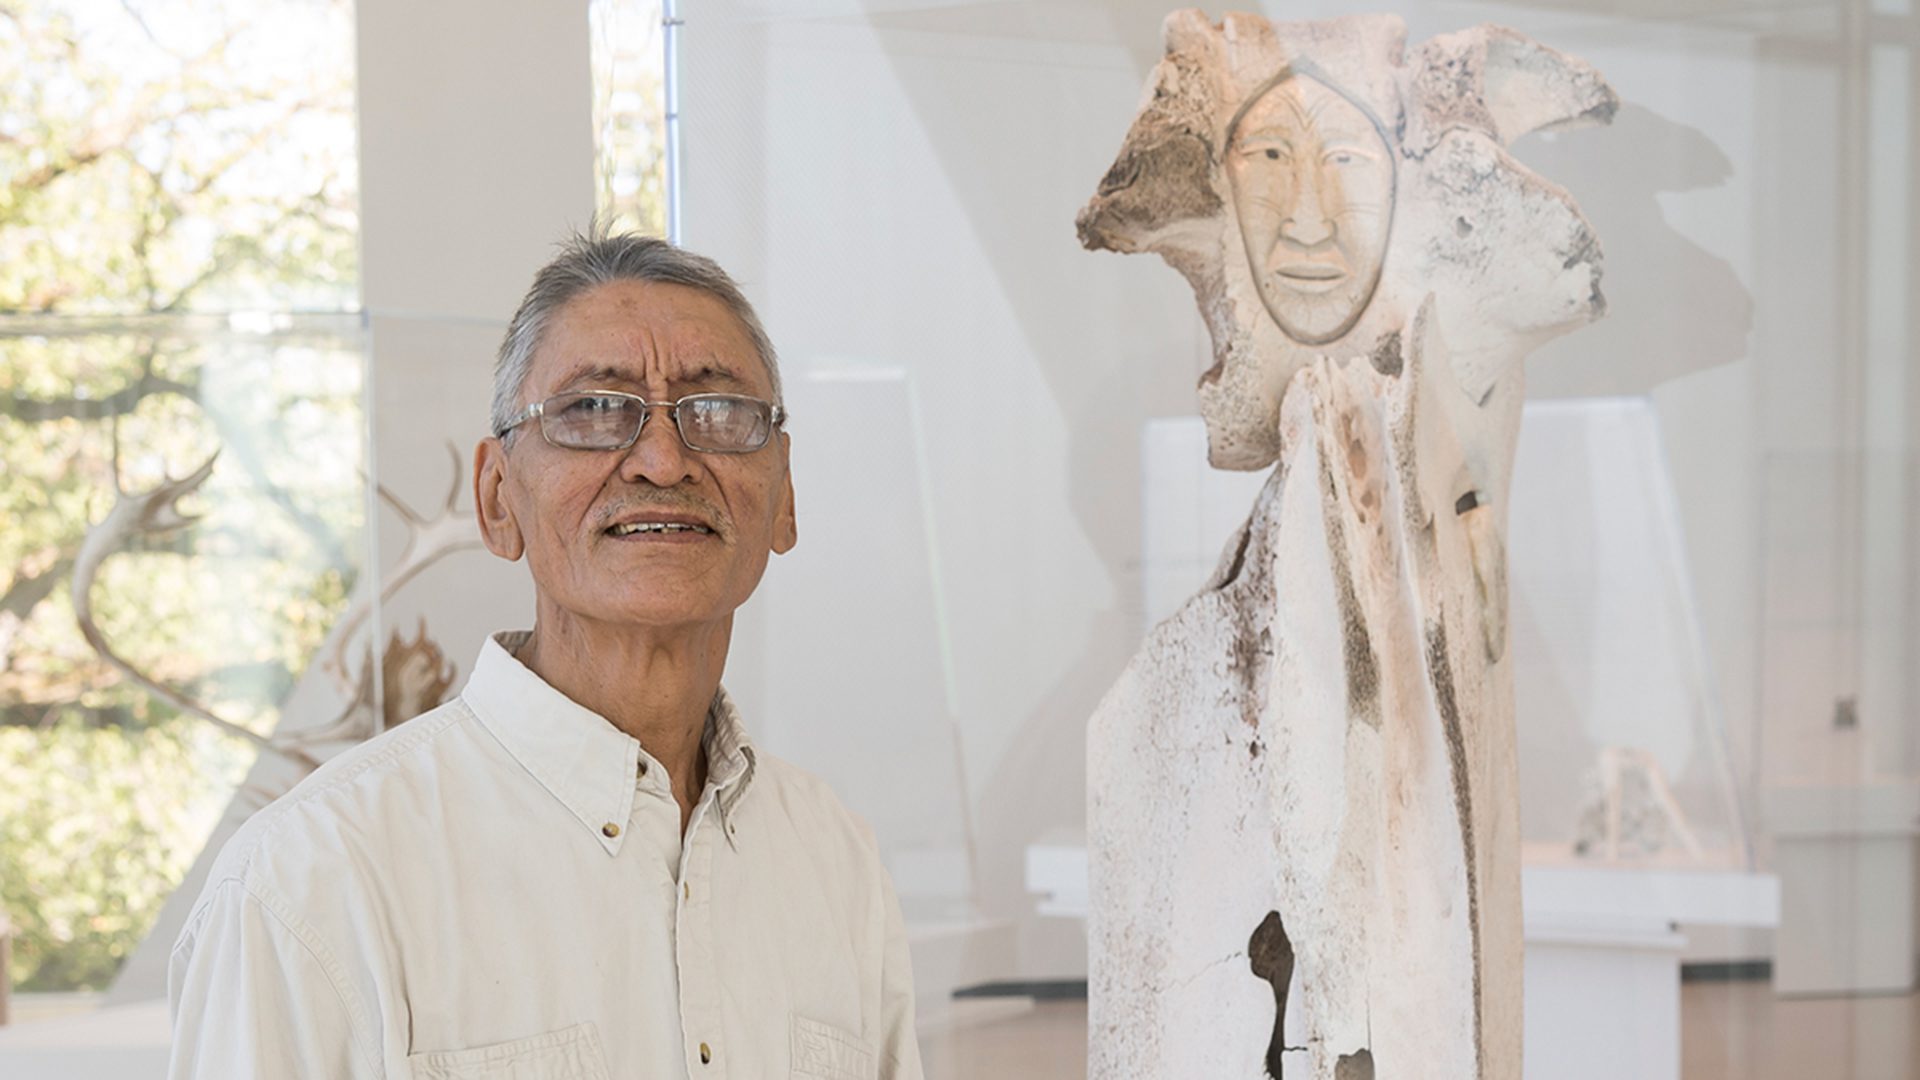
706, 1055
609, 830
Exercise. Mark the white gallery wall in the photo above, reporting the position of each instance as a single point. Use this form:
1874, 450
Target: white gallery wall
895, 183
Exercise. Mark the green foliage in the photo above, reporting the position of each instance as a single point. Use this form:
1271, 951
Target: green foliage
629, 109
229, 610
163, 162
100, 826
176, 155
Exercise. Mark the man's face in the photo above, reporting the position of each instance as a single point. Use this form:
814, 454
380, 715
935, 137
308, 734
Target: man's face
565, 509
1313, 191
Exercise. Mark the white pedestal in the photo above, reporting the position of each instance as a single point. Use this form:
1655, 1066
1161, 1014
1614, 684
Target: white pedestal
1603, 962
1845, 856
1603, 1000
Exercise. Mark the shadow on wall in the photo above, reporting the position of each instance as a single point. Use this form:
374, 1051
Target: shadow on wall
1673, 307
1066, 303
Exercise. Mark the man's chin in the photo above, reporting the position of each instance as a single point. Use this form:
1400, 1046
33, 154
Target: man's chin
626, 598
655, 613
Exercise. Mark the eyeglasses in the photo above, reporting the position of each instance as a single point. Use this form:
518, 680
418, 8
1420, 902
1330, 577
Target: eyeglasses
611, 420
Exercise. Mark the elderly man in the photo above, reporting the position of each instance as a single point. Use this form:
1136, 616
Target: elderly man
580, 867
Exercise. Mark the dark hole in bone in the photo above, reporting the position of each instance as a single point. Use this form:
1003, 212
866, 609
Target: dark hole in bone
1270, 954
1386, 356
1253, 748
1462, 226
1466, 502
1355, 1066
1239, 557
1121, 176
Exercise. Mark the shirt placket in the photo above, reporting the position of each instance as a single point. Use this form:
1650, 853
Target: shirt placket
700, 1029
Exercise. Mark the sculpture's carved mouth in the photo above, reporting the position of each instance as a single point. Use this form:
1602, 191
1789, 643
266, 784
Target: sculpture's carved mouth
1311, 277
1311, 271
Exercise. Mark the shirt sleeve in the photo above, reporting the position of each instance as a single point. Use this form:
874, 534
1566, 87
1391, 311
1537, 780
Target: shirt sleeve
900, 1046
251, 997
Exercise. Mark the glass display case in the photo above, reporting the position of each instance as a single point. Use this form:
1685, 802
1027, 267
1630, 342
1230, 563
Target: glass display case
1624, 748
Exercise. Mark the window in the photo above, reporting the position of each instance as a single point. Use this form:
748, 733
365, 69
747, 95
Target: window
629, 115
182, 500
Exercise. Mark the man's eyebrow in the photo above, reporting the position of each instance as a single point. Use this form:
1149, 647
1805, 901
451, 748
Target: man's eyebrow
603, 375
710, 374
599, 375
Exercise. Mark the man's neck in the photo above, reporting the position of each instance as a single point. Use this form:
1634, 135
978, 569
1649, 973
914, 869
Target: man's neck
656, 685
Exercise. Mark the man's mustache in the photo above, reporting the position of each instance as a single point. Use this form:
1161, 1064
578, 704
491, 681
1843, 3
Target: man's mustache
674, 503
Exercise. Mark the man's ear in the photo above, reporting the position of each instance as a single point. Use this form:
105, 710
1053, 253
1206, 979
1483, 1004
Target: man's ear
497, 526
786, 532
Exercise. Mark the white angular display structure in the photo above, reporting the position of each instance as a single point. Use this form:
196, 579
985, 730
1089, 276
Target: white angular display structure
1303, 835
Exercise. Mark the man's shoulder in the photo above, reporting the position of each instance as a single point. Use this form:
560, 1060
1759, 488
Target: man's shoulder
810, 803
337, 809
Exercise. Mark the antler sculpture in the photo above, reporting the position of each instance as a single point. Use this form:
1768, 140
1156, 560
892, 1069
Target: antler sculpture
154, 512
428, 541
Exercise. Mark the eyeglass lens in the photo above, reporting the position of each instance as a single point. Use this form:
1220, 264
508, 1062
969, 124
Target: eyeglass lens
722, 423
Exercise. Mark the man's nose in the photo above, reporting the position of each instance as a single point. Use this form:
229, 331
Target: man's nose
658, 457
1309, 222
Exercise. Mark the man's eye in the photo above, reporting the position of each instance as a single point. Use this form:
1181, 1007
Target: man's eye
597, 405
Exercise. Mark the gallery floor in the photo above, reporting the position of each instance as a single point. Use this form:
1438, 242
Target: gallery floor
1730, 1031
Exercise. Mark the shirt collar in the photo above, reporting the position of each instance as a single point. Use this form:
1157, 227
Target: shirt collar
730, 760
582, 760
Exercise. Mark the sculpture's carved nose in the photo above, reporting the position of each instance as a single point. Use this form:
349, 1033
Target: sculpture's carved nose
1308, 225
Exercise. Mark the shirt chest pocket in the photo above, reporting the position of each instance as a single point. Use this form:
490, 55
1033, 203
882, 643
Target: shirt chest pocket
820, 1051
568, 1054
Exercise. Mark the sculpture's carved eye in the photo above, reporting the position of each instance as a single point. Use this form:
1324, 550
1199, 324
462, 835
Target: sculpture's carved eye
1268, 147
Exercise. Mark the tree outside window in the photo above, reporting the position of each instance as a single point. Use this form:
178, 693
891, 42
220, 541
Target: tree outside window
178, 295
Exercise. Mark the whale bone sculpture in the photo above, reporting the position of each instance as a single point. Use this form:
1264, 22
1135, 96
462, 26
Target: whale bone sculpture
1302, 819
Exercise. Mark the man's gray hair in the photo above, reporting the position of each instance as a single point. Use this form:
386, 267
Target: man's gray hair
594, 259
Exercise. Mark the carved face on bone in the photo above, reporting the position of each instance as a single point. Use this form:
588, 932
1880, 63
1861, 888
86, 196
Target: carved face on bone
1312, 172
1317, 183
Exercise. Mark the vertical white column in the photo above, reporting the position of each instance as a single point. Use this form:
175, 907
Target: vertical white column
1886, 436
476, 155
476, 150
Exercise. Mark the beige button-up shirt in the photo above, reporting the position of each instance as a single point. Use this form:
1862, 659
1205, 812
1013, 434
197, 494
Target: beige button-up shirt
499, 888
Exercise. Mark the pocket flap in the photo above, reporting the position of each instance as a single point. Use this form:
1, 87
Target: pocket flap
567, 1054
824, 1052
